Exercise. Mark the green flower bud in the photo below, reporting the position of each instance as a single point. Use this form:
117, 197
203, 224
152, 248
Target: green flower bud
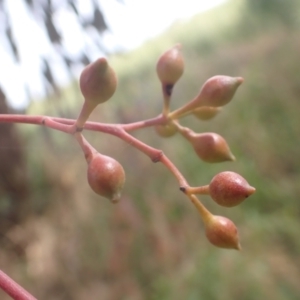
106, 176
206, 112
167, 130
229, 189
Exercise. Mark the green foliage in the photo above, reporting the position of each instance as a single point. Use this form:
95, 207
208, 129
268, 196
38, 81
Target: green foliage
282, 11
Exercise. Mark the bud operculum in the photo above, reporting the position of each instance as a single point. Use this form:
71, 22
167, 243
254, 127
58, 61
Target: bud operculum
167, 130
106, 176
216, 91
222, 232
211, 147
170, 67
98, 83
206, 112
219, 90
229, 189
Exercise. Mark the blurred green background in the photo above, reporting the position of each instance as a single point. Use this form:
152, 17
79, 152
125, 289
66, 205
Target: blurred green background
152, 244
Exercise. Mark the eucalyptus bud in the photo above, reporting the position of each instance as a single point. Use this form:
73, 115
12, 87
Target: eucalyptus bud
170, 66
229, 189
216, 91
219, 90
222, 232
211, 147
167, 130
106, 176
206, 112
98, 81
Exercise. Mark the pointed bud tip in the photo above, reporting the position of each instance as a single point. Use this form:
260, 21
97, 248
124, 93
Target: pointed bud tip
251, 190
116, 198
240, 80
231, 157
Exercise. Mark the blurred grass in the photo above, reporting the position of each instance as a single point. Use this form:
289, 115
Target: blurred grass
152, 245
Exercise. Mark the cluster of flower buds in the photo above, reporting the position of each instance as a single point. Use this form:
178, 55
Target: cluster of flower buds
106, 176
226, 188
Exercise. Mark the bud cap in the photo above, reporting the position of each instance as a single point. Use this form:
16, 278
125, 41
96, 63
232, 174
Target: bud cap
219, 90
222, 232
106, 176
206, 112
98, 81
167, 130
170, 65
229, 189
211, 147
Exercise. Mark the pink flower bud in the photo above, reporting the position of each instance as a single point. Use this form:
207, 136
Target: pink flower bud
211, 147
98, 81
222, 232
219, 90
106, 176
216, 91
170, 66
229, 189
206, 112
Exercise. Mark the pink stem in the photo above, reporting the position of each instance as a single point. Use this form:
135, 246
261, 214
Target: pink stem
95, 126
155, 155
159, 120
13, 289
119, 130
49, 122
87, 148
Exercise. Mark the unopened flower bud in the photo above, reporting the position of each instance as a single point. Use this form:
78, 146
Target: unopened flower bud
106, 176
222, 232
167, 130
98, 81
216, 91
211, 147
219, 90
170, 66
206, 112
229, 189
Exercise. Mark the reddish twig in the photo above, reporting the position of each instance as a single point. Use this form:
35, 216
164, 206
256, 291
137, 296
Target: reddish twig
13, 289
